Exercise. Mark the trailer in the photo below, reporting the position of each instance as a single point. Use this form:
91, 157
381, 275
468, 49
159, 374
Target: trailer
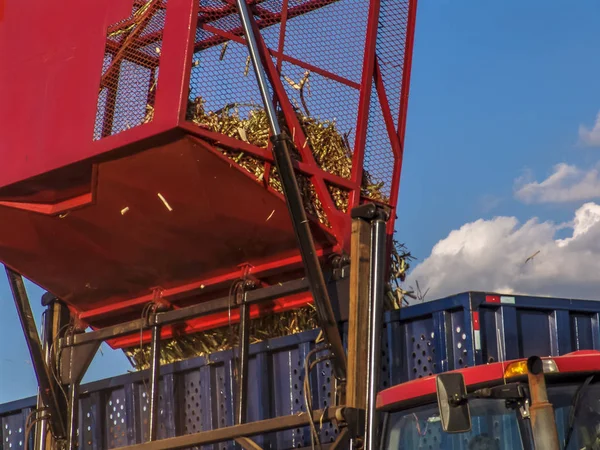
481, 335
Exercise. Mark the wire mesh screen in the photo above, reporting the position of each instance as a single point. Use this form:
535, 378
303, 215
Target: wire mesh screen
320, 71
130, 70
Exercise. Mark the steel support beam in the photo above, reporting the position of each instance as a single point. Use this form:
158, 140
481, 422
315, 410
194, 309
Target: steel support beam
376, 293
41, 432
240, 431
179, 315
248, 444
295, 205
367, 281
42, 373
342, 441
154, 383
242, 382
358, 323
72, 441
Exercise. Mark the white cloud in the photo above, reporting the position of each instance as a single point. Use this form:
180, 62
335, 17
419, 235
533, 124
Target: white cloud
566, 184
490, 255
590, 137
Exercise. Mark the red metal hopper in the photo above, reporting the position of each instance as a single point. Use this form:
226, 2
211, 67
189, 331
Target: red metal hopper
110, 194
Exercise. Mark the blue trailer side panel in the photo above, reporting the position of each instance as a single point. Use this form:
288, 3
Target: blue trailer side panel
417, 341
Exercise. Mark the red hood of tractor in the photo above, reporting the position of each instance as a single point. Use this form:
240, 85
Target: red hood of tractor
580, 361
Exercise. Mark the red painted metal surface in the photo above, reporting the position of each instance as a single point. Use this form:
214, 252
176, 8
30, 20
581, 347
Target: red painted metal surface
95, 126
584, 361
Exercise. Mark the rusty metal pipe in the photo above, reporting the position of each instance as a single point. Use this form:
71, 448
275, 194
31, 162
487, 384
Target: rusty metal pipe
543, 423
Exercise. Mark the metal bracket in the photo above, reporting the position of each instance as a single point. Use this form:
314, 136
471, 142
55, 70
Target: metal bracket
341, 267
353, 421
524, 409
75, 360
369, 212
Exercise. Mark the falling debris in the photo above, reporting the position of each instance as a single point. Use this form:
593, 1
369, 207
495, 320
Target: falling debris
124, 210
164, 200
270, 215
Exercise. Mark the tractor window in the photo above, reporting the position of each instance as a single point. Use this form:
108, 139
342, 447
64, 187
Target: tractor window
495, 427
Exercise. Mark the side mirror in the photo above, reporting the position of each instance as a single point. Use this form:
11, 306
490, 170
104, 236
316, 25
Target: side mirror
453, 404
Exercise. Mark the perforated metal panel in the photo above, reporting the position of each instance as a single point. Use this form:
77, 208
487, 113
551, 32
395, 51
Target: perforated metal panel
120, 417
90, 420
196, 395
13, 430
166, 410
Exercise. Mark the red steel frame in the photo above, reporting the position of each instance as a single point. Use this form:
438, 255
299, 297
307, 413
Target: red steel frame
178, 44
339, 221
371, 75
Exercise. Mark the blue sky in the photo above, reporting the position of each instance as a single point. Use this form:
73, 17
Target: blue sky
499, 90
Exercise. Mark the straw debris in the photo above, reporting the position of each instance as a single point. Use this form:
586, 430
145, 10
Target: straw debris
225, 338
330, 148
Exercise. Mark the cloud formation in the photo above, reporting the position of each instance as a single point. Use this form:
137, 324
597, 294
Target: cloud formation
590, 137
566, 184
491, 255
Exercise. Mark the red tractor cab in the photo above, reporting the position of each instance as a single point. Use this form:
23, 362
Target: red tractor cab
499, 405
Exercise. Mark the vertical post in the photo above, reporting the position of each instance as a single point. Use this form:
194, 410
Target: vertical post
72, 438
360, 267
47, 389
154, 382
242, 397
543, 424
56, 316
40, 428
295, 205
367, 281
378, 271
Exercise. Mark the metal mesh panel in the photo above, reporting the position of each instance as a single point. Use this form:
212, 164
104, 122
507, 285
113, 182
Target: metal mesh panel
130, 70
317, 52
391, 40
379, 162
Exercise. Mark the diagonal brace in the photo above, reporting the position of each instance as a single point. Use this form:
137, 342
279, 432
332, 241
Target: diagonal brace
42, 373
293, 198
